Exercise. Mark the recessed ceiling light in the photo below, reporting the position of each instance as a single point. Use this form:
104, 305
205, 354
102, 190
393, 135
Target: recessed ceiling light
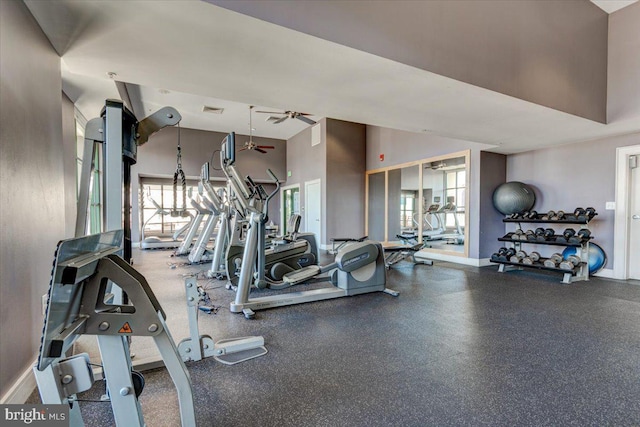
212, 110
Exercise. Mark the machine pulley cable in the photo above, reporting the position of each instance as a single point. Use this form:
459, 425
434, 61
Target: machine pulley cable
179, 175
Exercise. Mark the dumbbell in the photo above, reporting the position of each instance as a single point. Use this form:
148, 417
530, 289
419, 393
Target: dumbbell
553, 261
580, 214
516, 234
571, 262
583, 234
590, 212
549, 234
530, 235
500, 255
540, 234
551, 215
560, 215
572, 237
523, 235
568, 233
514, 215
531, 258
509, 253
518, 256
531, 215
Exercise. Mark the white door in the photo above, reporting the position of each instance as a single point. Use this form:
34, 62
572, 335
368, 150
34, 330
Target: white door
634, 223
312, 209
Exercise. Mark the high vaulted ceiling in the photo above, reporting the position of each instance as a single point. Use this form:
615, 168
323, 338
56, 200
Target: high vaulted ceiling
192, 53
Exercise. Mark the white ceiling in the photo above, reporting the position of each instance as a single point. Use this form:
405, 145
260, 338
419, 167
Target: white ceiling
611, 6
203, 51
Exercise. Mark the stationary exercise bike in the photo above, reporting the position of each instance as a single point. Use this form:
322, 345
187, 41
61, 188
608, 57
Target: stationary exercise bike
359, 268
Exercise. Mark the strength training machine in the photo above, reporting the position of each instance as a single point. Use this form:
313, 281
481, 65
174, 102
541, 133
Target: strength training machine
76, 305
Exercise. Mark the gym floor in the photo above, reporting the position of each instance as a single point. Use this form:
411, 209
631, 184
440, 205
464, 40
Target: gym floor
459, 346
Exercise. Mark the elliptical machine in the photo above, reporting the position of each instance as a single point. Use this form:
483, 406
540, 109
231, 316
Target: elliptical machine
358, 269
274, 258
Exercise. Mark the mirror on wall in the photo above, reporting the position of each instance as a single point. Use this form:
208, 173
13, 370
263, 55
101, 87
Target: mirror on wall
376, 212
425, 199
443, 201
402, 199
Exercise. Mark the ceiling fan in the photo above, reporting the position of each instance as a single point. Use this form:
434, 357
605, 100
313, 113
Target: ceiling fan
250, 145
290, 115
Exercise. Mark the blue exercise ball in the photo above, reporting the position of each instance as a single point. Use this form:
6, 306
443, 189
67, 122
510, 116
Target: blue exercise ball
513, 197
597, 257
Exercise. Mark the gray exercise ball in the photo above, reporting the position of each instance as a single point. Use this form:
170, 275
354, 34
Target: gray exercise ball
513, 197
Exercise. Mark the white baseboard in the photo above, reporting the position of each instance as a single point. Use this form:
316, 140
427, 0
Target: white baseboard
607, 273
474, 262
22, 388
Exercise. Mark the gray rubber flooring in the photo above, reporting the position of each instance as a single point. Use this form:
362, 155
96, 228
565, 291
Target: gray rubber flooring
460, 346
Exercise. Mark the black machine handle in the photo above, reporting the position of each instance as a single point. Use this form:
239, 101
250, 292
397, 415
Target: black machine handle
270, 196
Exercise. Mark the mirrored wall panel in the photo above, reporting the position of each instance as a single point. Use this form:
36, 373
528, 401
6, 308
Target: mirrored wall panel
425, 203
444, 199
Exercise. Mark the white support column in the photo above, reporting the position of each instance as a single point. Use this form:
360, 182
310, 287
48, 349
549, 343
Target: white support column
114, 353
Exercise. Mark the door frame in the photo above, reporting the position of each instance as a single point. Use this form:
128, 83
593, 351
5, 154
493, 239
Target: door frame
306, 211
282, 190
621, 222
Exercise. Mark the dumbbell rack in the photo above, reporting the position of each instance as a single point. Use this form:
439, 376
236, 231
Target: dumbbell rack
580, 272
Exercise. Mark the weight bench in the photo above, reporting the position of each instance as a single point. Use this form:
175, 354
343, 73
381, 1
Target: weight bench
393, 254
339, 242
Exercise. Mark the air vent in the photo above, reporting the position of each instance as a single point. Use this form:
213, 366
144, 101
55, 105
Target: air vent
212, 110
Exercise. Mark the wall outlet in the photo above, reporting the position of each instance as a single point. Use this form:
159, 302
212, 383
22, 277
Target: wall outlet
44, 304
610, 206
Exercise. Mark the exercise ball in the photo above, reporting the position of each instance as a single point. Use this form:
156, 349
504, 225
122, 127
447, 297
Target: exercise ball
597, 257
513, 197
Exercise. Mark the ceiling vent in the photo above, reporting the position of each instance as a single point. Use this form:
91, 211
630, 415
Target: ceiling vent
212, 110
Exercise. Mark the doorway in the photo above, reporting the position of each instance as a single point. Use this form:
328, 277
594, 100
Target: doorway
290, 200
627, 216
312, 208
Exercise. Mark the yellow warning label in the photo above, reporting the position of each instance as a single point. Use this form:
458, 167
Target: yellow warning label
126, 329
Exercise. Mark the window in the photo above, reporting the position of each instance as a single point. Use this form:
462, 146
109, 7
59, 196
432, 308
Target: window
407, 209
455, 187
156, 205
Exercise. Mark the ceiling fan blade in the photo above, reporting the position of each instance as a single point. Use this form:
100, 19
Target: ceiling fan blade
271, 112
281, 120
242, 149
270, 147
305, 119
260, 150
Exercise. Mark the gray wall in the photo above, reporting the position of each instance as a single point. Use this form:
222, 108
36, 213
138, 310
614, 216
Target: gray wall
346, 156
376, 206
339, 162
394, 194
623, 96
552, 53
307, 163
32, 212
70, 164
493, 172
157, 158
402, 147
574, 175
